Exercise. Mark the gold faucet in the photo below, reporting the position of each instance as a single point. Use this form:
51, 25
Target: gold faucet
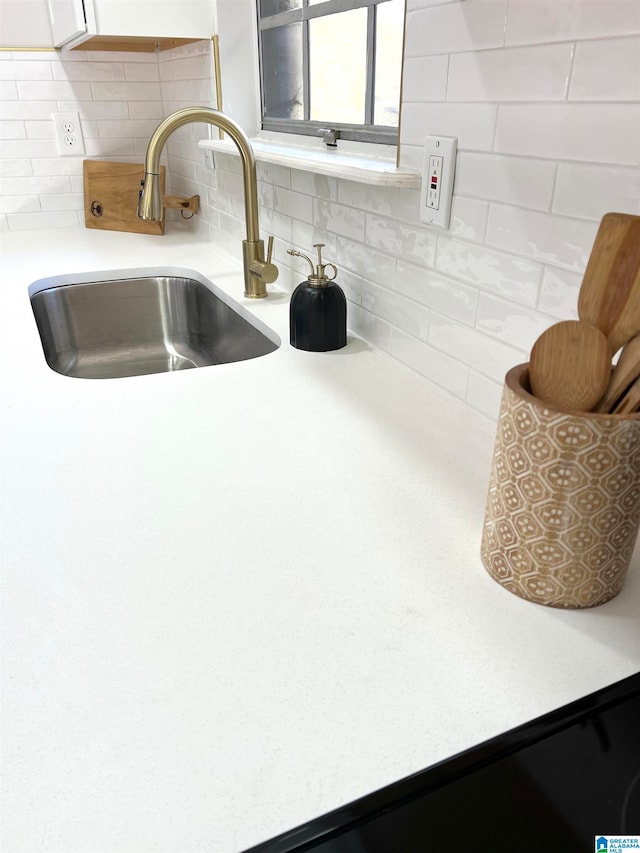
258, 270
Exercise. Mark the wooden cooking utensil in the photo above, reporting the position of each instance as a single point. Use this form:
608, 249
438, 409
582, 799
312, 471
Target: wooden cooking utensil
570, 366
630, 402
626, 371
610, 292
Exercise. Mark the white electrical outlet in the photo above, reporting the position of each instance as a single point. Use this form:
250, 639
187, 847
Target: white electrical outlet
69, 134
437, 180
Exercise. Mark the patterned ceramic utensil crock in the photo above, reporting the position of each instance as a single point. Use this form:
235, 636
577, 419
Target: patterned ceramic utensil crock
563, 508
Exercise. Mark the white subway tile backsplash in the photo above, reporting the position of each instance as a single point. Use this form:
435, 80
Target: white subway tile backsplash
353, 285
26, 69
538, 21
139, 72
19, 203
414, 244
346, 221
68, 201
382, 200
304, 236
488, 355
506, 275
57, 90
266, 192
365, 261
280, 176
96, 109
448, 372
444, 295
559, 293
556, 240
40, 129
484, 394
12, 130
604, 133
425, 78
396, 309
510, 322
16, 168
456, 27
589, 191
107, 148
127, 128
34, 221
186, 68
468, 218
28, 148
57, 166
539, 73
24, 110
276, 224
193, 91
409, 206
124, 91
369, 327
516, 180
319, 186
141, 109
8, 90
606, 71
89, 71
473, 124
35, 185
293, 204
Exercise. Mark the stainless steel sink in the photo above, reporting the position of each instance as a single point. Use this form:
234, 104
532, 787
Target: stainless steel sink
133, 322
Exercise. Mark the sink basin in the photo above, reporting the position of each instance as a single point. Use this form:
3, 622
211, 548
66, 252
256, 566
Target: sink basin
134, 322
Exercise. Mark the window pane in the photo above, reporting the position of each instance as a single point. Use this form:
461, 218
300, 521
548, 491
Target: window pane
282, 71
273, 7
389, 31
337, 67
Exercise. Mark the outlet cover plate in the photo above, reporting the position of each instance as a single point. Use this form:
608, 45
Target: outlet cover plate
437, 180
69, 134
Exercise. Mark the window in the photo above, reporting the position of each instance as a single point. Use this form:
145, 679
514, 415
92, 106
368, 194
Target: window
332, 64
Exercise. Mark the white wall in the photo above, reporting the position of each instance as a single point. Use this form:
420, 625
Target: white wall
544, 96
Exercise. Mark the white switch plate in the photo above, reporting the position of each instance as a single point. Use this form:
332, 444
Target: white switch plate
69, 134
437, 180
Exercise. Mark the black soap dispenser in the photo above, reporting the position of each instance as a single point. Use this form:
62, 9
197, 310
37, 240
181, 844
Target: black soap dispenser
318, 309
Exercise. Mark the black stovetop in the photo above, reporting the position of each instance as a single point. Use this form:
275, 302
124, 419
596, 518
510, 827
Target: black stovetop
554, 784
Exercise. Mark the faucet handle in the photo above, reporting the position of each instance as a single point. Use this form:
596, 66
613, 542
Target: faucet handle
265, 271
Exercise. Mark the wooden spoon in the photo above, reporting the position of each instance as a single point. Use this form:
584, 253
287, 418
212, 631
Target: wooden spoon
610, 292
625, 372
570, 366
630, 402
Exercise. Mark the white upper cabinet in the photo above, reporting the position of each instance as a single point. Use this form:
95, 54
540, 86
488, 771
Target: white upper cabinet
76, 22
67, 20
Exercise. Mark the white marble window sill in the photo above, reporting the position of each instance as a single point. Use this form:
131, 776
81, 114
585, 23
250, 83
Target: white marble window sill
336, 163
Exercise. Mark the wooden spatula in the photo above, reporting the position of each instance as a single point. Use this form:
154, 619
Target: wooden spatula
570, 366
630, 402
610, 292
626, 371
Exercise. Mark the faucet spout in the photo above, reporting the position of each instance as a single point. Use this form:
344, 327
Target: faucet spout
258, 270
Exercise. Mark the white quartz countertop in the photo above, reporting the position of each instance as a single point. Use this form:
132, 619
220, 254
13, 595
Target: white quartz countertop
237, 597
